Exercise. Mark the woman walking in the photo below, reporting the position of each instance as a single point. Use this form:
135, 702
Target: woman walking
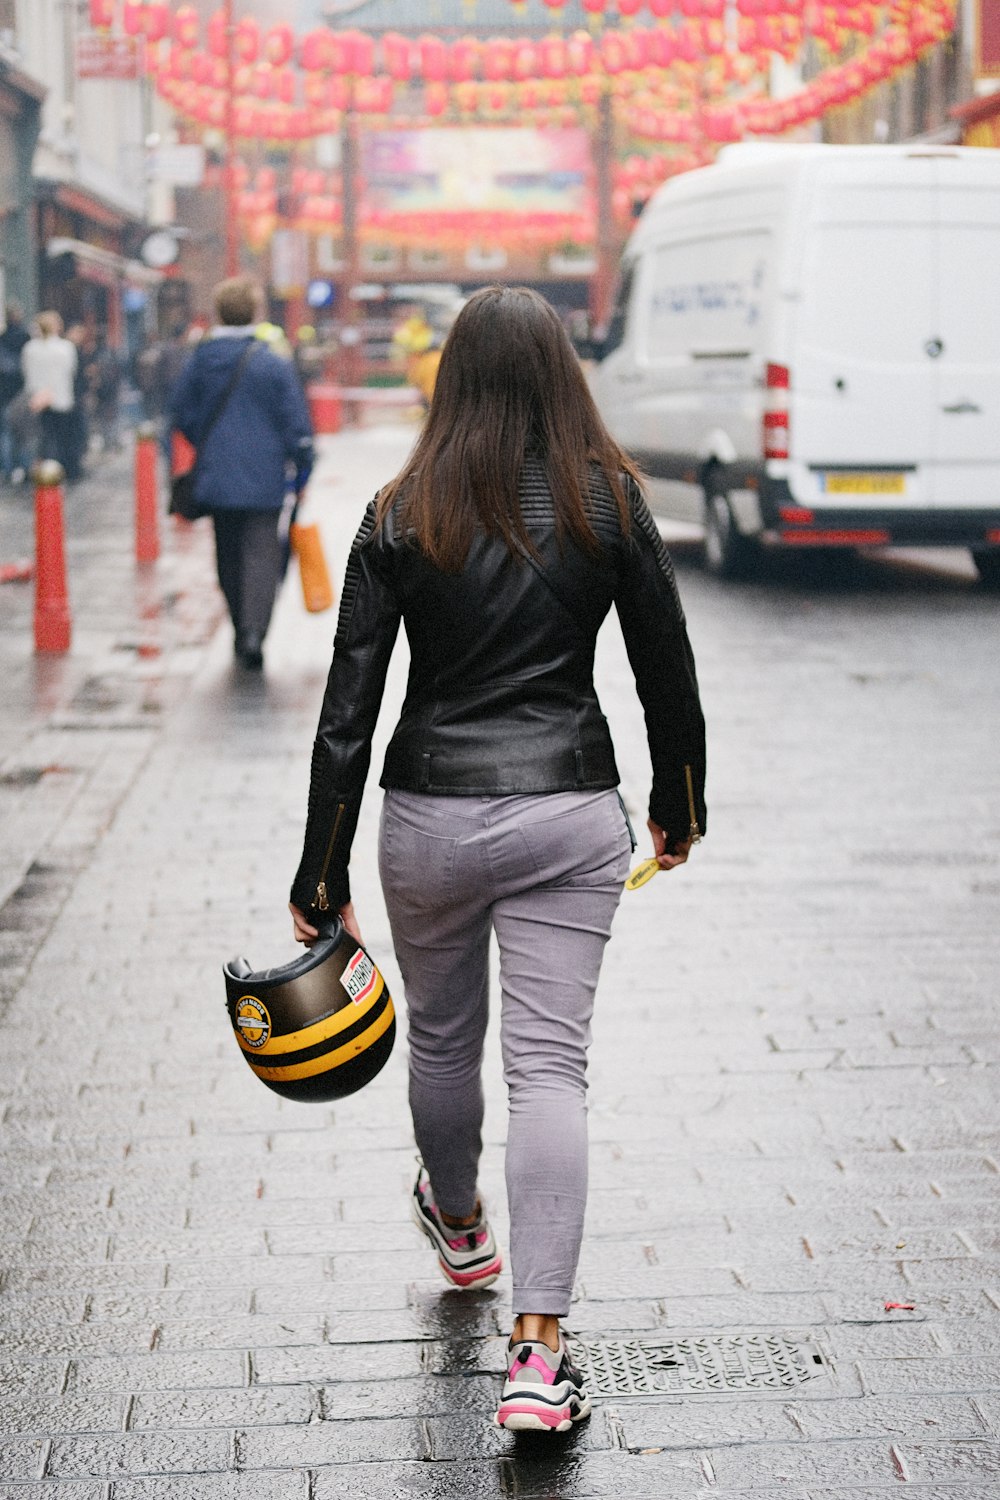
511, 530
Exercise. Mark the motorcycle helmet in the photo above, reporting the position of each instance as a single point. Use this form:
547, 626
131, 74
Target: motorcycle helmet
316, 1029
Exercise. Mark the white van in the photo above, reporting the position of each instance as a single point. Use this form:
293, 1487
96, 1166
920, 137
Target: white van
805, 350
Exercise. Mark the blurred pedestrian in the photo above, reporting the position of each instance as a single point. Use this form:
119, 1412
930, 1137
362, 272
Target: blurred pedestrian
106, 385
158, 370
501, 545
49, 363
78, 438
242, 408
15, 459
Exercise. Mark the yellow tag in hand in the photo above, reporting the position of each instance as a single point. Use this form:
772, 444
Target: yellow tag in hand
641, 874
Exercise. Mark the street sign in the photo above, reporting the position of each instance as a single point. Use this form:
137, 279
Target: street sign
101, 56
181, 166
289, 262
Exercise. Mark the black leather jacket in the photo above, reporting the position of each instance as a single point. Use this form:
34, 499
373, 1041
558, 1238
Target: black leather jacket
500, 697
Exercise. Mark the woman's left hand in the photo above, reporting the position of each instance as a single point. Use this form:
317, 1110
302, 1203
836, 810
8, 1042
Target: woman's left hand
303, 930
306, 933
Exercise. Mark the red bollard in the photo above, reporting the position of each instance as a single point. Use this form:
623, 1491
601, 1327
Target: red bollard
53, 627
147, 525
324, 408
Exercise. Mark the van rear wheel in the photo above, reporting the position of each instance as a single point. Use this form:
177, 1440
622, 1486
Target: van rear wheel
727, 553
987, 560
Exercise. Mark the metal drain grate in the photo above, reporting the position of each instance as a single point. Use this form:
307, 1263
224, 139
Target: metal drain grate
760, 1363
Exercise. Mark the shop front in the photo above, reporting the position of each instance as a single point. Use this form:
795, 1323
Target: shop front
20, 121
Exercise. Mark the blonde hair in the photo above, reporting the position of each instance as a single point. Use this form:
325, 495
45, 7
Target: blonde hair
50, 325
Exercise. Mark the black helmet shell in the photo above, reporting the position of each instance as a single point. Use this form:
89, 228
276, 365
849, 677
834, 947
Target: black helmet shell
320, 1027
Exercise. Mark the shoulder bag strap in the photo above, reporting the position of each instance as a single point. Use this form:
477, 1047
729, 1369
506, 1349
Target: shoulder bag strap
223, 400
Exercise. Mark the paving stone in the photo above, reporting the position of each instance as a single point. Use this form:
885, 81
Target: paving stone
256, 1407
138, 1453
421, 1481
703, 1424
909, 1417
318, 1443
257, 1486
166, 1371
349, 1362
239, 1332
802, 1463
21, 1458
46, 1416
48, 1490
952, 1463
941, 1376
429, 1395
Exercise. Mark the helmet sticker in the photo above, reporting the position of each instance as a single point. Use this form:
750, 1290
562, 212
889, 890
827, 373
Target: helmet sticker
252, 1021
359, 977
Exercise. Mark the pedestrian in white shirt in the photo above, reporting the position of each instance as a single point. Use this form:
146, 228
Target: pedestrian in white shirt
49, 364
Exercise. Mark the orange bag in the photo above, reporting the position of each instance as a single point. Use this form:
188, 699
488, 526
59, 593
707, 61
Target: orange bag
307, 544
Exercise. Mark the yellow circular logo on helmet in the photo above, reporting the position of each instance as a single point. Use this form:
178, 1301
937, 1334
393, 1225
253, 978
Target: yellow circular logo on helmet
252, 1021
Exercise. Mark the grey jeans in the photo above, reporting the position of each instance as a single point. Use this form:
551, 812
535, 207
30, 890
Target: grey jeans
546, 872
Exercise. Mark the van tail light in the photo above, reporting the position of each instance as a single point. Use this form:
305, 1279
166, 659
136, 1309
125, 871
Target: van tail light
777, 381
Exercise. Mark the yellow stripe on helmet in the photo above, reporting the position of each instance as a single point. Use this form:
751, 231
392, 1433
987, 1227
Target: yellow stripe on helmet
319, 1031
332, 1059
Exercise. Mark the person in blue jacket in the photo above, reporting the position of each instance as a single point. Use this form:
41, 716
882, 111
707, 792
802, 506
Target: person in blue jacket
243, 410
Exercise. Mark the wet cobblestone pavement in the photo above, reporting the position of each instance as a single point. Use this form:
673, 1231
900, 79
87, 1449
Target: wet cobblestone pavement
210, 1294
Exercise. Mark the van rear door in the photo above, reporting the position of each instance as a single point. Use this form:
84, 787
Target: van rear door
864, 376
967, 473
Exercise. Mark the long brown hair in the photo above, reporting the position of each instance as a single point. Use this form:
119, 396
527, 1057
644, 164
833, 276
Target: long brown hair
509, 385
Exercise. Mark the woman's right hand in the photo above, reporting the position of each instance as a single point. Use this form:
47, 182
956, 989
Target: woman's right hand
669, 853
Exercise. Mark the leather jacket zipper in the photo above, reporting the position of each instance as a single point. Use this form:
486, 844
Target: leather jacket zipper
694, 833
322, 899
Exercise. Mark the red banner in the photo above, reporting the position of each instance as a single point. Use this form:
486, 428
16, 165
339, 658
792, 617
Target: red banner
101, 56
986, 63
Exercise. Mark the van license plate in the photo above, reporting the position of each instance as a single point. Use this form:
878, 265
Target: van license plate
864, 484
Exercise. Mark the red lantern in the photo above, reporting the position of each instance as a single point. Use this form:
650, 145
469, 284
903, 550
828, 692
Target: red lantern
317, 51
580, 53
157, 21
201, 68
362, 53
247, 40
525, 60
498, 59
133, 17
552, 57
613, 54
396, 56
435, 98
284, 85
433, 58
315, 90
263, 80
218, 43
463, 58
279, 44
630, 7
102, 14
591, 89
555, 4
185, 26
179, 64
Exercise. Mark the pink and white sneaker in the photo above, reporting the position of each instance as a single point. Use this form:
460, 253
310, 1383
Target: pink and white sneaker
543, 1391
469, 1256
